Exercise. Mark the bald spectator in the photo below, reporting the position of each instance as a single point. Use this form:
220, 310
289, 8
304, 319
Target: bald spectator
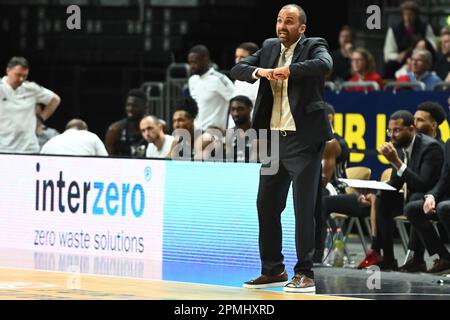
76, 140
421, 62
159, 144
18, 99
211, 89
123, 137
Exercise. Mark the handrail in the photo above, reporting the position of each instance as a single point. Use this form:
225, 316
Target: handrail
366, 84
394, 85
442, 86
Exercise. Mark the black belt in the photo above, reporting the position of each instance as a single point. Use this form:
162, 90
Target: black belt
285, 133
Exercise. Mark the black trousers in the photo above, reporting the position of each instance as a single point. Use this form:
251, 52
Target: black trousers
389, 204
423, 234
300, 164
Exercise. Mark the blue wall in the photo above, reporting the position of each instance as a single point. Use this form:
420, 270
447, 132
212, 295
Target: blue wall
363, 109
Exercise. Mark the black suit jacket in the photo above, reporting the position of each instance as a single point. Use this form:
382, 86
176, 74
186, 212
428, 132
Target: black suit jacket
442, 188
424, 167
311, 61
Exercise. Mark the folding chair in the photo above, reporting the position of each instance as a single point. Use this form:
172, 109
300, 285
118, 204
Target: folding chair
361, 173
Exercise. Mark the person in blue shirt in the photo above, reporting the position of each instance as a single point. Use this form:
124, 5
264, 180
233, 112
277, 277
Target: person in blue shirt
421, 63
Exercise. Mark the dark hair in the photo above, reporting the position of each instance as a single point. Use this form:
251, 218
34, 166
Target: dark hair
405, 115
410, 5
302, 13
187, 105
137, 93
347, 28
436, 111
244, 99
249, 46
18, 61
201, 50
329, 109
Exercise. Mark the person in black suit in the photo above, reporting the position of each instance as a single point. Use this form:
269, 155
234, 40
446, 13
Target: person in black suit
292, 70
416, 160
420, 213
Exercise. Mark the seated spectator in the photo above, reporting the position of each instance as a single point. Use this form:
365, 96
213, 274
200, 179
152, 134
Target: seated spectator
210, 145
421, 62
436, 206
76, 140
342, 56
427, 119
159, 144
421, 44
123, 137
240, 111
43, 132
185, 133
334, 163
363, 69
401, 38
416, 160
442, 66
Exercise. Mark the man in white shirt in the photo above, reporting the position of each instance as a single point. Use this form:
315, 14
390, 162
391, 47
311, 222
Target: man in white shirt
210, 89
244, 88
159, 144
75, 141
18, 99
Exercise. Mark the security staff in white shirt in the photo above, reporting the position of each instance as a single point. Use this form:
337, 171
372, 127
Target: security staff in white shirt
211, 90
18, 99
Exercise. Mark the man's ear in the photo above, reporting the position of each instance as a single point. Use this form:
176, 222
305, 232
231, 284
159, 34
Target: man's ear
434, 125
302, 28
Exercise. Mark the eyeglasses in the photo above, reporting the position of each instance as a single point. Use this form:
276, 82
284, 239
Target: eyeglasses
394, 132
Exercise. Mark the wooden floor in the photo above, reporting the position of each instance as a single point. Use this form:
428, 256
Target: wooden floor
33, 284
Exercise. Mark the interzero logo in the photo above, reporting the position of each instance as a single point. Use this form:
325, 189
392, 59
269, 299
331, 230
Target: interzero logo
95, 197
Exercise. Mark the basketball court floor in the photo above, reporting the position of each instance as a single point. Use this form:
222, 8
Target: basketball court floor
34, 275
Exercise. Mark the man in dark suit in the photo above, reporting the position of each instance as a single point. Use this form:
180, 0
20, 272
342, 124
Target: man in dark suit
416, 160
421, 212
290, 103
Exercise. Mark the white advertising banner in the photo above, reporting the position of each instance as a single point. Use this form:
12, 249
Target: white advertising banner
82, 206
